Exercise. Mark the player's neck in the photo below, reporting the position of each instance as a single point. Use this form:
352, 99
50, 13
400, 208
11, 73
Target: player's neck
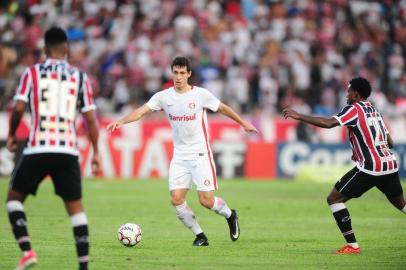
56, 56
360, 100
184, 89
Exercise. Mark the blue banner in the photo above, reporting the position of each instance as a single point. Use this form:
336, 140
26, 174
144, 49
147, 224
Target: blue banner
292, 157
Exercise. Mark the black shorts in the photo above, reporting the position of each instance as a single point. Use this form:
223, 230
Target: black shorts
63, 168
355, 183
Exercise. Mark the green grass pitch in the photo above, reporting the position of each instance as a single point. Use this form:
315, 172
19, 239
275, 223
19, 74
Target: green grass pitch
284, 225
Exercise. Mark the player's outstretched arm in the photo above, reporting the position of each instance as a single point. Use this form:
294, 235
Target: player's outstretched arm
227, 111
322, 122
93, 133
16, 115
134, 116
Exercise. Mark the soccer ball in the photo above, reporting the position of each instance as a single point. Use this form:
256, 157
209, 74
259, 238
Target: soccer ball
129, 234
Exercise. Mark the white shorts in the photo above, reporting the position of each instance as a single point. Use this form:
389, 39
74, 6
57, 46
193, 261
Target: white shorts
201, 171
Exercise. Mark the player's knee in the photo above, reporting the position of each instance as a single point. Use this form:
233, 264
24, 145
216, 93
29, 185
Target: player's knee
398, 202
207, 202
13, 195
331, 199
175, 201
74, 207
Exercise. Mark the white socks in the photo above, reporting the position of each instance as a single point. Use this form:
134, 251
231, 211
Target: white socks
13, 206
354, 245
221, 208
78, 219
335, 207
186, 215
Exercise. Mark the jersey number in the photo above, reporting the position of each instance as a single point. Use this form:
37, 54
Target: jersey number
379, 138
57, 99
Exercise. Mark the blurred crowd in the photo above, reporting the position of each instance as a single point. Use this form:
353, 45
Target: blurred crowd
257, 56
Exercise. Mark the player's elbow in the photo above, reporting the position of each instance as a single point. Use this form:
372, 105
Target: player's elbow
330, 123
19, 108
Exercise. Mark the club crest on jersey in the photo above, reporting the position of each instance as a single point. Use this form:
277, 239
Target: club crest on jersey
192, 105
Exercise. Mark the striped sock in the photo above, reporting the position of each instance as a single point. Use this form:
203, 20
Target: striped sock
18, 223
81, 234
343, 219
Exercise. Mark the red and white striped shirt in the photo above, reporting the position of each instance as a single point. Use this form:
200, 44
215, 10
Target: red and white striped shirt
54, 91
368, 136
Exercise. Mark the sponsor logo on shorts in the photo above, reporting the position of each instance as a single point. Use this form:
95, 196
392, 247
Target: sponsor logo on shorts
207, 182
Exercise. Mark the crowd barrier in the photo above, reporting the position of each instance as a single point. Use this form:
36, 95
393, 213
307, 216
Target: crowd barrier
144, 150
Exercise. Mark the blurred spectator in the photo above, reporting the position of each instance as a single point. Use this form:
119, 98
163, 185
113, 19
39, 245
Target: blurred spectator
250, 53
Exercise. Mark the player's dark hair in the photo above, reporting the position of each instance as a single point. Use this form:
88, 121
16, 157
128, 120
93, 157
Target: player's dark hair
362, 86
55, 36
182, 61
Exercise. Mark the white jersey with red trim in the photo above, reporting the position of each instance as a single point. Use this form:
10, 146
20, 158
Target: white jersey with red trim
187, 116
368, 136
54, 91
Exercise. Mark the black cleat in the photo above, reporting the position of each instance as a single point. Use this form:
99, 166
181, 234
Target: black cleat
234, 225
201, 240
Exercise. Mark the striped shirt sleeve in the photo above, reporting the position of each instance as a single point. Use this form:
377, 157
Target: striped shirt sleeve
348, 116
87, 103
24, 87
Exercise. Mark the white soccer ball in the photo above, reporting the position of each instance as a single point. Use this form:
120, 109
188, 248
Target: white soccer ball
129, 234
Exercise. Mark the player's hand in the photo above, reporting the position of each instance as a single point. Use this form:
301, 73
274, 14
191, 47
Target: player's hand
289, 113
11, 144
248, 127
114, 126
96, 164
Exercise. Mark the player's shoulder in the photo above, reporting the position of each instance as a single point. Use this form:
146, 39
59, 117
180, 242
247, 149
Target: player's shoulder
31, 70
199, 90
163, 93
33, 66
73, 68
350, 108
166, 91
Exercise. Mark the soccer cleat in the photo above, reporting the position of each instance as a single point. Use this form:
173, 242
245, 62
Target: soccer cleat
234, 225
199, 242
348, 249
28, 259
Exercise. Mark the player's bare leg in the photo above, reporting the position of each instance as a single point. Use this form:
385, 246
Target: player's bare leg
18, 223
336, 202
398, 202
187, 217
80, 231
218, 205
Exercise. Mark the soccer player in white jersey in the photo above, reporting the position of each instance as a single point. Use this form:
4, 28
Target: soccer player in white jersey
54, 90
371, 150
185, 107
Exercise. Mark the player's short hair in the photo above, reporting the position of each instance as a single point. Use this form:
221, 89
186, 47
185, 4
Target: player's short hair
362, 86
182, 61
55, 36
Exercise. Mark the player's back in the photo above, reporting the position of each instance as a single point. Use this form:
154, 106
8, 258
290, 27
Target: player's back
370, 140
54, 91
